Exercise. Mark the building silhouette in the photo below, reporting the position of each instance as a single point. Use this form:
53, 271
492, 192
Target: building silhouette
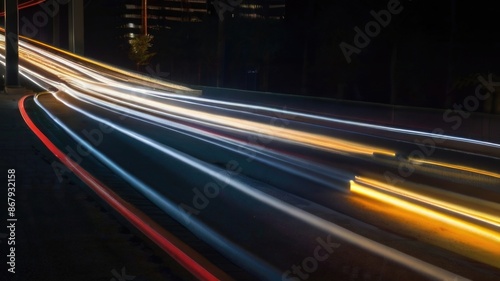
163, 13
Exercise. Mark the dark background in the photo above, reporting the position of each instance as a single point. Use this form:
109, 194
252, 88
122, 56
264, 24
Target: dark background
429, 55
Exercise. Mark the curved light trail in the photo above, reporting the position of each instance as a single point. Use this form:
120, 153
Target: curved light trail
152, 230
314, 155
25, 4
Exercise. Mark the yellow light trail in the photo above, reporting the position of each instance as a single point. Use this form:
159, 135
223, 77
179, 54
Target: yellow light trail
311, 139
452, 207
457, 167
478, 242
168, 85
68, 72
374, 192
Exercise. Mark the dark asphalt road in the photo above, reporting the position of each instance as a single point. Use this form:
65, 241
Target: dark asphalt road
248, 217
64, 232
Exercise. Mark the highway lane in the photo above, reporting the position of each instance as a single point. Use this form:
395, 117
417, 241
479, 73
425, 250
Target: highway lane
249, 215
301, 178
157, 135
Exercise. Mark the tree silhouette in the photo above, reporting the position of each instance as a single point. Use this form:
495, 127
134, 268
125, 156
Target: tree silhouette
139, 50
139, 45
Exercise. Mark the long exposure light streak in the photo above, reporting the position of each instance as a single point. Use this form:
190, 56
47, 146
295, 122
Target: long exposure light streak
70, 73
283, 133
457, 167
147, 83
167, 205
478, 240
151, 229
24, 5
490, 218
113, 91
293, 164
379, 249
169, 86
